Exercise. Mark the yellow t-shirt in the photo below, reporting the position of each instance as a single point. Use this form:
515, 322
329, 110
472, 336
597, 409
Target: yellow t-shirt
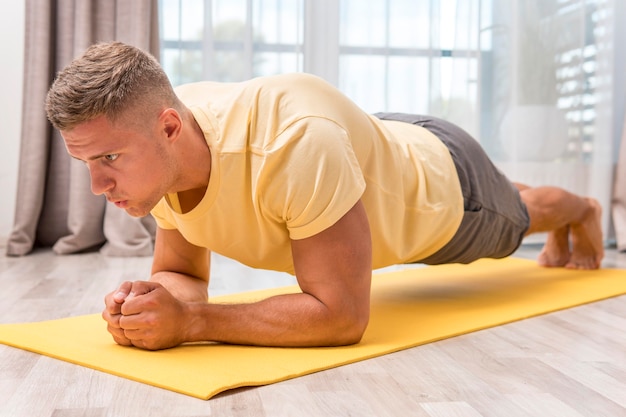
291, 155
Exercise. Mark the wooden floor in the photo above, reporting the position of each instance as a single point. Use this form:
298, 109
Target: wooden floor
570, 363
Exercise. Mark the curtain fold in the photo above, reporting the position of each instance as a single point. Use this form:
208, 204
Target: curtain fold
619, 196
55, 206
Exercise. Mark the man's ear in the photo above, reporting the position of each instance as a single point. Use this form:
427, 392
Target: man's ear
171, 123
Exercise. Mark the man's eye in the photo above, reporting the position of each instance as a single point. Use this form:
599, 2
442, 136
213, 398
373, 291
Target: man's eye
111, 157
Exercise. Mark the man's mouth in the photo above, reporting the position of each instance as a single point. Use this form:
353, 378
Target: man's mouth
121, 203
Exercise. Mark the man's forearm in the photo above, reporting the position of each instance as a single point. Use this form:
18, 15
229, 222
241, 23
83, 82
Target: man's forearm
285, 320
183, 287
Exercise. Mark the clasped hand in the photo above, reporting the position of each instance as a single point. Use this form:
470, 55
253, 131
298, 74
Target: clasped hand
144, 314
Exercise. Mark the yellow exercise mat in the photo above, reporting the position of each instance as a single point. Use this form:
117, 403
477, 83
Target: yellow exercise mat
409, 308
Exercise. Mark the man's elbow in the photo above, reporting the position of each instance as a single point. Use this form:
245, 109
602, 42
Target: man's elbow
352, 333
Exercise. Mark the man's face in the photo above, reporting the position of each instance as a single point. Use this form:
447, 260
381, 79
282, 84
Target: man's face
131, 168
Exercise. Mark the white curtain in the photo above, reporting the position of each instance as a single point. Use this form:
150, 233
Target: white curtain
534, 81
619, 196
552, 107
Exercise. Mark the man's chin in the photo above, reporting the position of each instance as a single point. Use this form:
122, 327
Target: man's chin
136, 212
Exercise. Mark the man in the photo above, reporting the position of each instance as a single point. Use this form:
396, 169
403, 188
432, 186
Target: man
286, 173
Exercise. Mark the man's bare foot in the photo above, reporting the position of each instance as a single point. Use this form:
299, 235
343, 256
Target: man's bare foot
586, 236
556, 251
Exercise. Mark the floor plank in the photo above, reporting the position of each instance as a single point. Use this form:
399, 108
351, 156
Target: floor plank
571, 362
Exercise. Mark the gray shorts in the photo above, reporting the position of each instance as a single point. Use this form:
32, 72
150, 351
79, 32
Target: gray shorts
495, 218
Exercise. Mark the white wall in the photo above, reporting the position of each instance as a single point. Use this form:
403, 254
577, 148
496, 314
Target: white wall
11, 76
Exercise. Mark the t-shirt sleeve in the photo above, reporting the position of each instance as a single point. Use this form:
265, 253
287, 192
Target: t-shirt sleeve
162, 215
311, 176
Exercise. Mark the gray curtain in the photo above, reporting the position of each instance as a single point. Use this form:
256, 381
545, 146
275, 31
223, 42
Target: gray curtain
55, 206
619, 196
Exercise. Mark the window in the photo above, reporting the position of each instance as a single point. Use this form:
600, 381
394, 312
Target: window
230, 40
403, 55
472, 62
413, 55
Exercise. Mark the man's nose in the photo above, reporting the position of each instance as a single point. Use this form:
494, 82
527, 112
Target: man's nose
100, 182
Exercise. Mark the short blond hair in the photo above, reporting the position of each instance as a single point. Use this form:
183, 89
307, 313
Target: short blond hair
110, 79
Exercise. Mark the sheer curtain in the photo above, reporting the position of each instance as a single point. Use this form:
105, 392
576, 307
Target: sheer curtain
549, 98
54, 204
619, 196
418, 56
401, 55
535, 81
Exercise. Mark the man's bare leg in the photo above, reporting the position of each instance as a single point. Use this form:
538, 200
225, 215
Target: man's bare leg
568, 219
556, 251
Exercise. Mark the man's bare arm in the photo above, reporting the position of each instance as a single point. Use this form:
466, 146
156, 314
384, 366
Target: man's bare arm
182, 268
333, 269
